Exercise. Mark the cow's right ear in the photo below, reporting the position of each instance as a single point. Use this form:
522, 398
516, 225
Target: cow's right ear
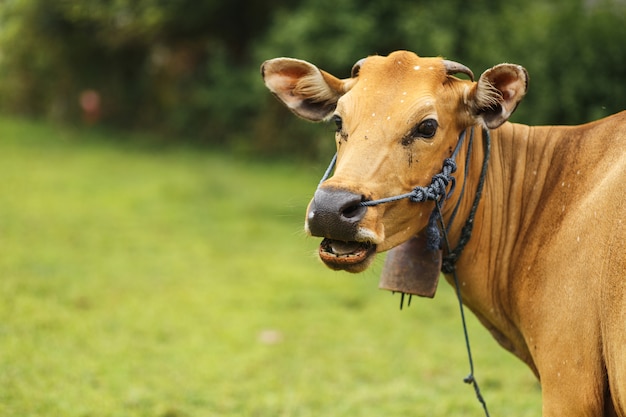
305, 89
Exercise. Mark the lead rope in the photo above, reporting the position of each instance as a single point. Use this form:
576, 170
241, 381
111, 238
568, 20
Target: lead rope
470, 379
449, 264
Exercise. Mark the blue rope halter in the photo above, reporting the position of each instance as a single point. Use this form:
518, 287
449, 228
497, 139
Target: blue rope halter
435, 191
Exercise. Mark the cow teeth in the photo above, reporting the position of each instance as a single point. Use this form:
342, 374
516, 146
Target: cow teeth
344, 248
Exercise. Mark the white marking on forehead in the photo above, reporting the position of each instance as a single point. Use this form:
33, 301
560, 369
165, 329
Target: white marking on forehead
416, 68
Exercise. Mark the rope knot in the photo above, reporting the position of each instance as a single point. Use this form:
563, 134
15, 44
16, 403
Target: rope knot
449, 263
420, 194
438, 184
449, 166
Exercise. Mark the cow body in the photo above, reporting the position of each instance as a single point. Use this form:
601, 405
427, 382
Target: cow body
545, 268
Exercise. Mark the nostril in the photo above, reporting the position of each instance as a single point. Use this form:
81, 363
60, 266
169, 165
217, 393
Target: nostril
354, 212
335, 214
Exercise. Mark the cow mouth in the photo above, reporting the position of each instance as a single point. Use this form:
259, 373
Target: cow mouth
348, 256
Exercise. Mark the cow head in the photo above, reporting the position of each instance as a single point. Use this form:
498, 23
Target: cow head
397, 118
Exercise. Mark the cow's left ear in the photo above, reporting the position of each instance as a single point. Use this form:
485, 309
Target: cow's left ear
498, 92
305, 89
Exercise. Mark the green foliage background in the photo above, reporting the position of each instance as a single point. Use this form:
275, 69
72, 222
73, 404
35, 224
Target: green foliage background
189, 69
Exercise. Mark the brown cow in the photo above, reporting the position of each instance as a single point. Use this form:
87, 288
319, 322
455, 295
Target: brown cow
545, 268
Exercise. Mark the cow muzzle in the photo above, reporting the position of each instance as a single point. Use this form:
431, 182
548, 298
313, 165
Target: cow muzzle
336, 214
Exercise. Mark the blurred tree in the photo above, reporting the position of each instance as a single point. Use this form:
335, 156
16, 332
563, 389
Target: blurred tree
572, 49
190, 69
180, 68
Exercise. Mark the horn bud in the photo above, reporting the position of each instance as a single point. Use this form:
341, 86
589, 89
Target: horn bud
357, 67
456, 68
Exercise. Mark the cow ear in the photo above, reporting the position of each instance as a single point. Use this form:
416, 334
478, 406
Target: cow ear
498, 92
305, 89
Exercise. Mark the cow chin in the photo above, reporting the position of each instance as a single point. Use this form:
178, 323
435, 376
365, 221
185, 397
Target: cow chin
347, 256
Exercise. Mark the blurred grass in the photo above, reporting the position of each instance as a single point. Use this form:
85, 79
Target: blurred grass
143, 282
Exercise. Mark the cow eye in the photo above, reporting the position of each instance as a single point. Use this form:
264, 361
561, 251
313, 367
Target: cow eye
427, 128
338, 122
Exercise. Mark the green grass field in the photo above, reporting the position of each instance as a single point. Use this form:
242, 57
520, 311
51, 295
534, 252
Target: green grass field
137, 281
